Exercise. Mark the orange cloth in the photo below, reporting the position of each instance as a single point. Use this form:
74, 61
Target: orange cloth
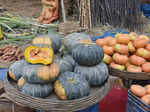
49, 12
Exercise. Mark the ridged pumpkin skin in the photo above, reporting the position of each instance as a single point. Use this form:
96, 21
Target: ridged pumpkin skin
39, 54
71, 86
88, 55
37, 90
42, 40
71, 40
69, 59
65, 64
15, 70
95, 75
53, 39
39, 74
56, 41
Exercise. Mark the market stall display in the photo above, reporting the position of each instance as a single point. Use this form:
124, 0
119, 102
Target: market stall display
138, 98
52, 103
37, 80
69, 72
127, 56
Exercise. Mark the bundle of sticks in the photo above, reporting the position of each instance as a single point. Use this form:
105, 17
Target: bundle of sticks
122, 13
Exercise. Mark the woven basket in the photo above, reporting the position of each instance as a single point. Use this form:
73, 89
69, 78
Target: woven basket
8, 106
129, 75
52, 103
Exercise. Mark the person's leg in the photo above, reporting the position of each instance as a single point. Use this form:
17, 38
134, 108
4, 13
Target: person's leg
49, 12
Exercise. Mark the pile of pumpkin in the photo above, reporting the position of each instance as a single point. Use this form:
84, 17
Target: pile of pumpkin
127, 52
69, 76
142, 92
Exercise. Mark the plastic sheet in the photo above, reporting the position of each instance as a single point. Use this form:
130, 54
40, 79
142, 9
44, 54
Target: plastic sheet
145, 8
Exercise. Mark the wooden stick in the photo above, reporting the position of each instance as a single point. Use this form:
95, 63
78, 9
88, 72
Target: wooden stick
89, 10
63, 11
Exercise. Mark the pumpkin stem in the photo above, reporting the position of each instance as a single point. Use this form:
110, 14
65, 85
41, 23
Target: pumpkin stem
71, 80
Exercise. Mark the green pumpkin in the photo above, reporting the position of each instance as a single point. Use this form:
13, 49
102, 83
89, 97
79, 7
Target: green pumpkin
71, 86
53, 39
88, 54
95, 75
38, 74
69, 59
37, 90
71, 40
56, 41
15, 70
65, 64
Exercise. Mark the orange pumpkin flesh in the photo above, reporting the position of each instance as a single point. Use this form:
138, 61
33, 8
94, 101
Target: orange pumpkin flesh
136, 60
138, 90
120, 59
39, 55
108, 50
133, 68
146, 67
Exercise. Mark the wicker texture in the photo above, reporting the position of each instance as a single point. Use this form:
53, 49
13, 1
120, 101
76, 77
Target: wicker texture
129, 75
7, 106
52, 103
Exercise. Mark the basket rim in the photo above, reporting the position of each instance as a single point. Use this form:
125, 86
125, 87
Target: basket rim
129, 75
130, 72
70, 105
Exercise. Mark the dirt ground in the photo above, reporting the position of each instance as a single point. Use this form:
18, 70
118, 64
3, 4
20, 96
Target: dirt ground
22, 7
